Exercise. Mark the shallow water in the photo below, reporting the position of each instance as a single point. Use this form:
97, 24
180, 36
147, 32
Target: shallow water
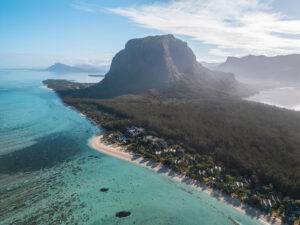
49, 175
284, 97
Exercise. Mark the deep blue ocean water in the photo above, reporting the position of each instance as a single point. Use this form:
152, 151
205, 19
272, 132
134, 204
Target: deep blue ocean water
49, 175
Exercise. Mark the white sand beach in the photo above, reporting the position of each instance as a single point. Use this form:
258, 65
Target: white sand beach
120, 152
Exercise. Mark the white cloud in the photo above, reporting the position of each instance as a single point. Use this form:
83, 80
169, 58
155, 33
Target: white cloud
233, 27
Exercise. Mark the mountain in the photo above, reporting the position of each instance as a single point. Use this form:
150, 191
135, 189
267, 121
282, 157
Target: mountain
279, 68
161, 64
63, 68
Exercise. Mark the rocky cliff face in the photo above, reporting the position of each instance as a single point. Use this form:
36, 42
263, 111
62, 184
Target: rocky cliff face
160, 63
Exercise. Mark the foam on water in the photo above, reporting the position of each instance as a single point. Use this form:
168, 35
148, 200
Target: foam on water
51, 176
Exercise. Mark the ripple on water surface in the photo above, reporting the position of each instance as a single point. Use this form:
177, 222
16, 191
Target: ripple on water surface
69, 193
27, 117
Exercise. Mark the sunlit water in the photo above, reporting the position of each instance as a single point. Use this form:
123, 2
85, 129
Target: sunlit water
284, 97
48, 174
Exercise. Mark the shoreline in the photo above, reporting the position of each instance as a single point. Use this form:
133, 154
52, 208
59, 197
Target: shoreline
119, 152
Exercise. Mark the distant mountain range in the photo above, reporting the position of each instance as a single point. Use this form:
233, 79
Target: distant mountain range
284, 68
63, 68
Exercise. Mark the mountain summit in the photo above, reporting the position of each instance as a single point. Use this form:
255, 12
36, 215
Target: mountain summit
163, 64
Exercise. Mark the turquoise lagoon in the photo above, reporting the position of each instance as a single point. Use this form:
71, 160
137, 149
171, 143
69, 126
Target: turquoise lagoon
49, 175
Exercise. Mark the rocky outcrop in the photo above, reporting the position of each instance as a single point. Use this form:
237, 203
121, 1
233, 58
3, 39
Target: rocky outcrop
122, 214
161, 63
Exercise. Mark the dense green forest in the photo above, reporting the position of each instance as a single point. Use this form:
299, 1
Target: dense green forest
248, 138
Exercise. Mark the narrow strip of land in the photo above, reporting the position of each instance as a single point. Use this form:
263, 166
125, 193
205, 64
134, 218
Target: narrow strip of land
120, 152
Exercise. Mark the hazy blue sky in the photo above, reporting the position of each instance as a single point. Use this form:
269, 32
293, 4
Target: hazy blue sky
36, 33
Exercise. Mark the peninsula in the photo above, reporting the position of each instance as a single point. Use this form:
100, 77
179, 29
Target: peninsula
163, 105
